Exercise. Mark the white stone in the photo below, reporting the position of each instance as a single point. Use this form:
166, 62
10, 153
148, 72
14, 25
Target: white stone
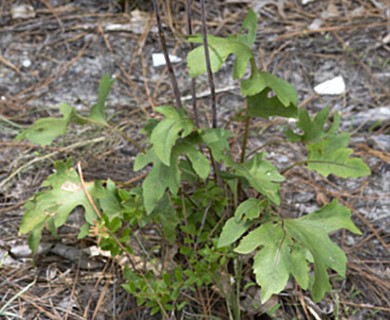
307, 1
26, 63
159, 59
334, 86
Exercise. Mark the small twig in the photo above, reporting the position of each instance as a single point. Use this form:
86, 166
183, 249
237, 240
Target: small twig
166, 55
298, 163
10, 65
208, 65
365, 306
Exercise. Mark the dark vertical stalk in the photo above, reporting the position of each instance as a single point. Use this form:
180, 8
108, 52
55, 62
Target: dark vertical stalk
208, 65
246, 132
193, 81
166, 55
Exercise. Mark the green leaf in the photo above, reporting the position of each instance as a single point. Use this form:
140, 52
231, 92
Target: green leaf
217, 141
313, 130
109, 200
259, 81
159, 178
35, 237
97, 111
45, 130
63, 195
166, 215
199, 162
286, 248
176, 125
250, 26
219, 50
299, 267
260, 105
261, 175
330, 156
312, 231
232, 231
250, 209
271, 264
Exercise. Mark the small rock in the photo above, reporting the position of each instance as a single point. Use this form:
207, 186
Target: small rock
23, 11
26, 63
316, 24
334, 86
304, 2
159, 59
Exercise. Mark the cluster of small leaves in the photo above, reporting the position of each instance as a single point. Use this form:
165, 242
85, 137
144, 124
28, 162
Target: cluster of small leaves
180, 155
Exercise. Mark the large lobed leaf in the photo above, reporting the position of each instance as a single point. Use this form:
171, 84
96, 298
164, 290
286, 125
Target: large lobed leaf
53, 205
331, 156
312, 232
219, 50
284, 248
328, 150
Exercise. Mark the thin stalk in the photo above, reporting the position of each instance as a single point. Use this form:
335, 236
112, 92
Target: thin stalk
236, 297
166, 55
193, 80
246, 133
298, 163
208, 65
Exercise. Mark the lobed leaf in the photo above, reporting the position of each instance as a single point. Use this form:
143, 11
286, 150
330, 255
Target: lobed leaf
54, 205
219, 50
286, 248
330, 156
312, 232
259, 81
313, 130
45, 130
160, 178
175, 125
